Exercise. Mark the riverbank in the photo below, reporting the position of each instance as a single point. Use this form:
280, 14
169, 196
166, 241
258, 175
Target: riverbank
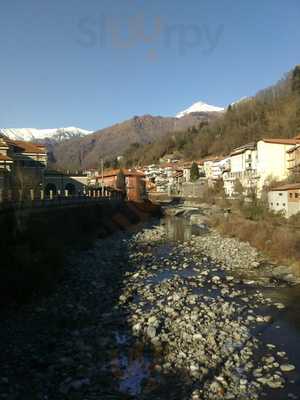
222, 243
144, 316
35, 243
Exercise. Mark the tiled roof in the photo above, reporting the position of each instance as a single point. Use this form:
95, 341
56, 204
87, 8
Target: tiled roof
126, 172
213, 158
242, 149
289, 186
28, 147
281, 141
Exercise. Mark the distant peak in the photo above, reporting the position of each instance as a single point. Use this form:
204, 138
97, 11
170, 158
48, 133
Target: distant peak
199, 107
32, 134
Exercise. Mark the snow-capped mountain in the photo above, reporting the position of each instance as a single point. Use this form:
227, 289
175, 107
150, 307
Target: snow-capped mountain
241, 100
199, 107
34, 134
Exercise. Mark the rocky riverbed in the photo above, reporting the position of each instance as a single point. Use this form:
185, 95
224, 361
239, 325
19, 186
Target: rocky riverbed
141, 316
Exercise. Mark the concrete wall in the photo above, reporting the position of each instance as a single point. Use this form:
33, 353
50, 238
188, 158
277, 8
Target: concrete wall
36, 242
193, 189
278, 201
272, 161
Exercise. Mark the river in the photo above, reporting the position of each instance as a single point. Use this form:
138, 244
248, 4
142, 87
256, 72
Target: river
146, 315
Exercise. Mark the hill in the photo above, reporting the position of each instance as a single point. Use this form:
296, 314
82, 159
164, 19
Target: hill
109, 143
273, 112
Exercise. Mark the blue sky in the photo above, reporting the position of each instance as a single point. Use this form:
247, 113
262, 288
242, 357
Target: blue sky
93, 63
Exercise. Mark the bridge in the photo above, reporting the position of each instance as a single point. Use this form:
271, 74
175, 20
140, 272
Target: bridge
44, 200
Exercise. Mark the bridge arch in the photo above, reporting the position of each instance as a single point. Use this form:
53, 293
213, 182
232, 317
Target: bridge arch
49, 187
70, 187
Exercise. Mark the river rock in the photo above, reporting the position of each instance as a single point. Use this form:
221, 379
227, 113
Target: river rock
287, 367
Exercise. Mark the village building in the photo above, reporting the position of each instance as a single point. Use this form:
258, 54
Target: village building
210, 167
254, 164
218, 167
134, 182
22, 165
285, 199
186, 169
293, 160
242, 167
272, 159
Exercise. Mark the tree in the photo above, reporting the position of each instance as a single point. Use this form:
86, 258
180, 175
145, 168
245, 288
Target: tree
238, 188
296, 80
120, 183
194, 172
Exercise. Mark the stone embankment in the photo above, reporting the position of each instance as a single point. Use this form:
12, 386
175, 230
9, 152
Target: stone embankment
34, 243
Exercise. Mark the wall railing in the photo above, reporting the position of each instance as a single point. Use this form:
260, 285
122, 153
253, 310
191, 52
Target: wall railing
40, 199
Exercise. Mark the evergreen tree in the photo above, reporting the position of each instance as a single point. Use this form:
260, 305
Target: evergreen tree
194, 172
296, 80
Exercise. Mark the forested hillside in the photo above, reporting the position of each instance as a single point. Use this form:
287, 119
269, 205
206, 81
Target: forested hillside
273, 112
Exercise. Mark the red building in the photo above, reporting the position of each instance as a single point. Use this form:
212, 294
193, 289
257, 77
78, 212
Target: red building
134, 183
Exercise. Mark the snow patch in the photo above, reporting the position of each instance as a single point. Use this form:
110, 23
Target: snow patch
199, 107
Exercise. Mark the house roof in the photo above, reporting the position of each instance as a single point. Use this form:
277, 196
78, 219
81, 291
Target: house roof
242, 149
28, 147
178, 174
213, 158
281, 141
289, 186
126, 172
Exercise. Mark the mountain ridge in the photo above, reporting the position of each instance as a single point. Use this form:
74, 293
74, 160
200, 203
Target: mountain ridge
111, 142
51, 134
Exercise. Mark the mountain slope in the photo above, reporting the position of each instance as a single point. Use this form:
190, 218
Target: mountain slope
53, 135
113, 141
272, 112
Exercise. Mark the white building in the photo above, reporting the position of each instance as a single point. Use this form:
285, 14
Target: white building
285, 199
242, 167
256, 163
218, 167
272, 159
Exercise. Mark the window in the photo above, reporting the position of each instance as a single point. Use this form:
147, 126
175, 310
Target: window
271, 204
280, 194
291, 195
296, 195
277, 204
283, 204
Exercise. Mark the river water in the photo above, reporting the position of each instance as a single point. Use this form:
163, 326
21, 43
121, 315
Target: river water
284, 332
91, 339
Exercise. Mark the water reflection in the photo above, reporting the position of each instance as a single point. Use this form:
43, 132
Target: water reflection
178, 229
290, 297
